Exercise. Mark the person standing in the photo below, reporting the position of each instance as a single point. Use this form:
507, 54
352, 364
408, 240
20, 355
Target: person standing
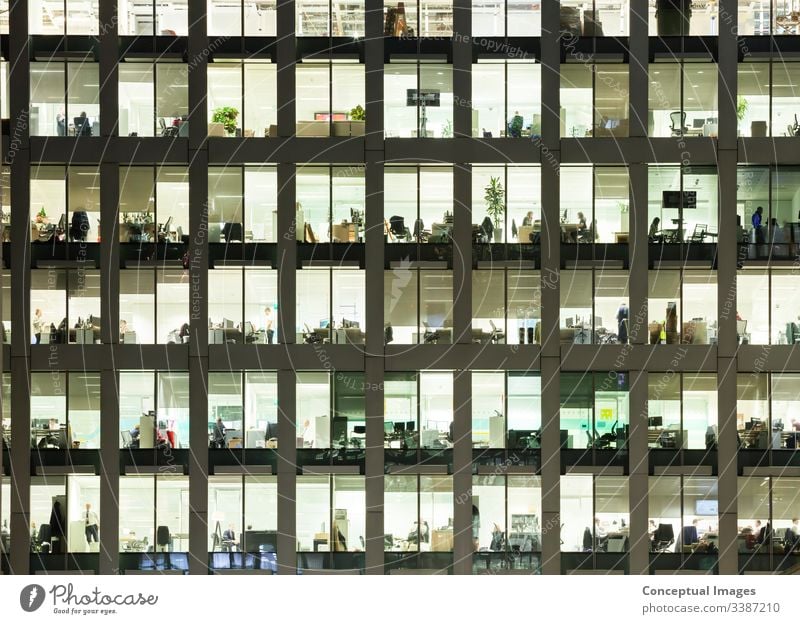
218, 434
758, 228
92, 524
268, 324
38, 325
622, 323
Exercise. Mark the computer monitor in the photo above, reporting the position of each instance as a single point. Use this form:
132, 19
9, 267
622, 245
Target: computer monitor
324, 323
410, 425
271, 430
388, 426
399, 427
360, 429
610, 124
698, 124
655, 421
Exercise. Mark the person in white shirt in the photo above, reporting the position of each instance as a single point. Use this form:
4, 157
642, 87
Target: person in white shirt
91, 524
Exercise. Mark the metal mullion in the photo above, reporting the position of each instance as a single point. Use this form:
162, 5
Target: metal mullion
332, 530
154, 121
155, 268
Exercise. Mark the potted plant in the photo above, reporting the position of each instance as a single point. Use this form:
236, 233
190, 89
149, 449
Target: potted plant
226, 115
741, 107
41, 216
358, 113
495, 196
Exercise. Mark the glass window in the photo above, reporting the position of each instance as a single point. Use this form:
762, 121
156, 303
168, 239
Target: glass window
683, 514
492, 18
136, 99
785, 411
71, 319
154, 411
419, 410
243, 517
139, 17
330, 203
336, 19
48, 99
576, 100
752, 411
83, 98
683, 99
499, 398
330, 305
683, 204
61, 506
670, 18
59, 17
260, 98
331, 513
506, 99
224, 99
753, 104
594, 410
261, 203
153, 99
429, 112
154, 514
261, 304
423, 18
261, 409
418, 513
594, 514
225, 410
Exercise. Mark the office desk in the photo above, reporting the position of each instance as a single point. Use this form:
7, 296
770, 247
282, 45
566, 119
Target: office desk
442, 540
441, 232
569, 232
344, 232
524, 233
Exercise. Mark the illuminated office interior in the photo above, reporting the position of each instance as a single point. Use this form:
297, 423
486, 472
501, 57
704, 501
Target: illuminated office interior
399, 287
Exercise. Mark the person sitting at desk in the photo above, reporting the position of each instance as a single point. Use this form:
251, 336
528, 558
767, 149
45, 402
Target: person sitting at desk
82, 125
218, 434
652, 235
527, 220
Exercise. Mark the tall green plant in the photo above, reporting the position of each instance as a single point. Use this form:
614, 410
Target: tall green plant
226, 115
495, 196
741, 107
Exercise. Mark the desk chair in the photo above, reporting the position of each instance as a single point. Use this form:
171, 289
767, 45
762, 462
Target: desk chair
309, 336
127, 439
497, 335
699, 233
397, 226
232, 232
420, 235
663, 538
741, 330
678, 123
431, 335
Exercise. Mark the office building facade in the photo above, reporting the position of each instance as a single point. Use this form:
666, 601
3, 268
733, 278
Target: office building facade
450, 286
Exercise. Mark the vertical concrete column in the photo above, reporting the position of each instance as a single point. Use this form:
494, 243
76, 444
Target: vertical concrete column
109, 472
198, 290
287, 252
463, 546
639, 83
639, 557
19, 157
373, 75
109, 254
286, 55
638, 249
462, 68
462, 253
551, 467
287, 472
373, 361
550, 149
727, 454
109, 70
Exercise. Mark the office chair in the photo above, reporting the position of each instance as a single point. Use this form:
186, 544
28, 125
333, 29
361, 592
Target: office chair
431, 335
419, 231
678, 123
162, 537
699, 233
497, 335
309, 336
663, 538
232, 232
82, 126
79, 227
397, 226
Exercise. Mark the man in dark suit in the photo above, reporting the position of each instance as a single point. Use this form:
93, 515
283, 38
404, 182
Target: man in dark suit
229, 539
